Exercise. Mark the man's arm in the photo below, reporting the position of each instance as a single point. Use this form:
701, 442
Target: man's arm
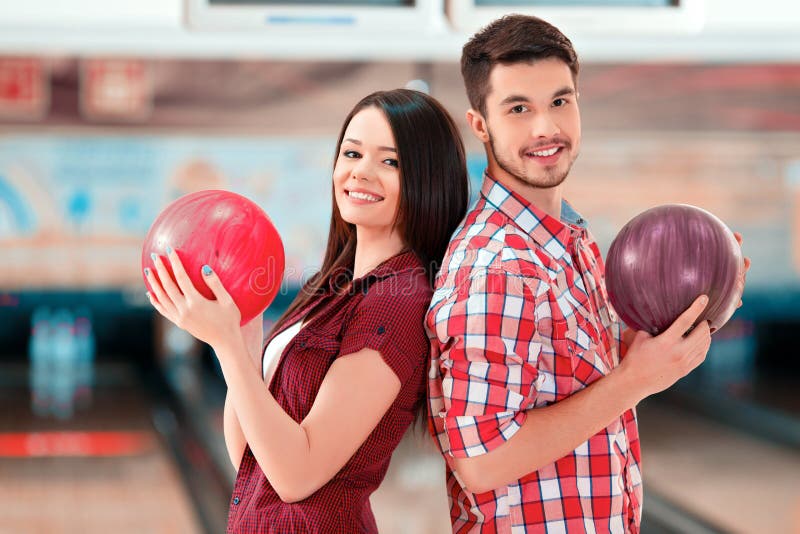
651, 365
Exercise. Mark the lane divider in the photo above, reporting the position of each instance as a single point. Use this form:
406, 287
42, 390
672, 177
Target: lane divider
75, 444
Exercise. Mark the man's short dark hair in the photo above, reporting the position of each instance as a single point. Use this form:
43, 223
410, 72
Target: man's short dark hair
508, 40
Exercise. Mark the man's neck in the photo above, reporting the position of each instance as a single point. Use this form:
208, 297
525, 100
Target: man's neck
545, 199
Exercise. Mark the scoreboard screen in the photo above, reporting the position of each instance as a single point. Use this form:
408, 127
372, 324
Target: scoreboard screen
608, 18
309, 3
578, 3
375, 16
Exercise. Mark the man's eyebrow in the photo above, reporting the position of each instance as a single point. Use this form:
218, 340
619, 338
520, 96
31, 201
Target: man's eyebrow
516, 99
564, 91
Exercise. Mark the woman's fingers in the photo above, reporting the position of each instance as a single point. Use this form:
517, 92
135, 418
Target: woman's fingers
185, 284
158, 296
157, 305
215, 285
167, 284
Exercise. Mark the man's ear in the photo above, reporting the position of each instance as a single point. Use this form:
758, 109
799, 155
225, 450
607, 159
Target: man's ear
478, 125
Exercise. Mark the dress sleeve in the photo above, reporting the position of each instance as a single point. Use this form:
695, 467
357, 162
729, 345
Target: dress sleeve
390, 320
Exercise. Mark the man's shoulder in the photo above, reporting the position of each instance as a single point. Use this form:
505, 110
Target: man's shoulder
490, 242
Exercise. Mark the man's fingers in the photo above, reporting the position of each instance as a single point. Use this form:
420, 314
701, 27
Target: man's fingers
685, 320
700, 340
699, 334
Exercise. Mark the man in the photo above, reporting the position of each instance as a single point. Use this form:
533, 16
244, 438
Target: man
531, 401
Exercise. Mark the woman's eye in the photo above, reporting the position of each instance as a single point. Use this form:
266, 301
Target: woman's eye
350, 154
392, 162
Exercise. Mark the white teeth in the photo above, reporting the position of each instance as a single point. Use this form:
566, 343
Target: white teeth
364, 196
545, 153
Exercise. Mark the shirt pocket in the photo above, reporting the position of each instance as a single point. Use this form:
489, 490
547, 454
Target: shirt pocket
579, 357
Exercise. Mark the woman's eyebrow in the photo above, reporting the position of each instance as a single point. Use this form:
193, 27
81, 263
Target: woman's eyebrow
383, 148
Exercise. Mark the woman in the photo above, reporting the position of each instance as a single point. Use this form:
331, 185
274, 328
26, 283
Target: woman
312, 446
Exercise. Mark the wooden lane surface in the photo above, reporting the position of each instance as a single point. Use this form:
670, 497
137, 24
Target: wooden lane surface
103, 471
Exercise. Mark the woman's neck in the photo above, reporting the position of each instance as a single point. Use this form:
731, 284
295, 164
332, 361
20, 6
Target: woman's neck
373, 248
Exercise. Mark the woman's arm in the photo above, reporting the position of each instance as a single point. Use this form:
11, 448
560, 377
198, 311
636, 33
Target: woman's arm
253, 335
234, 437
298, 459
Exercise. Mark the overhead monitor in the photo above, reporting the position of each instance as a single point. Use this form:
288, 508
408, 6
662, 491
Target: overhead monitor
364, 16
612, 18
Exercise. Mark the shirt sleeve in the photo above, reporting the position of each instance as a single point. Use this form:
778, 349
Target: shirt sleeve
390, 320
487, 328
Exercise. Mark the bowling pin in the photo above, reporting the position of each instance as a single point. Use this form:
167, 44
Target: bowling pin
39, 372
64, 352
85, 347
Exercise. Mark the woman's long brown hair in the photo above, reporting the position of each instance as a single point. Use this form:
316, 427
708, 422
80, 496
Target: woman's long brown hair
434, 187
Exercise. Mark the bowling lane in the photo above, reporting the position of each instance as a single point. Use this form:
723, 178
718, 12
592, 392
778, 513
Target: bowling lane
105, 469
731, 479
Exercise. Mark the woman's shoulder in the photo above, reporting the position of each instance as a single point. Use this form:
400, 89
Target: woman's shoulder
404, 279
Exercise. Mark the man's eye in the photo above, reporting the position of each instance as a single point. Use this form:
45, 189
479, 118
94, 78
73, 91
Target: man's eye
559, 102
519, 109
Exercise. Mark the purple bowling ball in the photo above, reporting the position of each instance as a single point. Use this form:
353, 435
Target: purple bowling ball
666, 257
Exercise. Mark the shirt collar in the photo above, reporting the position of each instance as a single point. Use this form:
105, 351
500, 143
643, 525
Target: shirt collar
552, 234
341, 276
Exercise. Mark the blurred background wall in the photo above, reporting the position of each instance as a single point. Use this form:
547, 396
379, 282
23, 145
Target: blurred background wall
110, 111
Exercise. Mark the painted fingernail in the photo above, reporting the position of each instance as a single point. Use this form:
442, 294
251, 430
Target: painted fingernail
169, 249
206, 270
153, 256
147, 271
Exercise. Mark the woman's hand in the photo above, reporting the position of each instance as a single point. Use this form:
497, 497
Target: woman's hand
215, 322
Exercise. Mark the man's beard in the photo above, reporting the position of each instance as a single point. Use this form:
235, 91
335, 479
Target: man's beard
552, 177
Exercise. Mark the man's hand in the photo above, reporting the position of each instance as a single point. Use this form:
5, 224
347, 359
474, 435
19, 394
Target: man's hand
655, 363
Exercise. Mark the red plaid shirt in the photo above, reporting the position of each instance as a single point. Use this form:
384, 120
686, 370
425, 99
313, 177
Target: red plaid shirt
521, 319
384, 311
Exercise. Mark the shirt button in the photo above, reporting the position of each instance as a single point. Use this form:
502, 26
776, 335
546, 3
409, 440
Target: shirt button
236, 500
381, 330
